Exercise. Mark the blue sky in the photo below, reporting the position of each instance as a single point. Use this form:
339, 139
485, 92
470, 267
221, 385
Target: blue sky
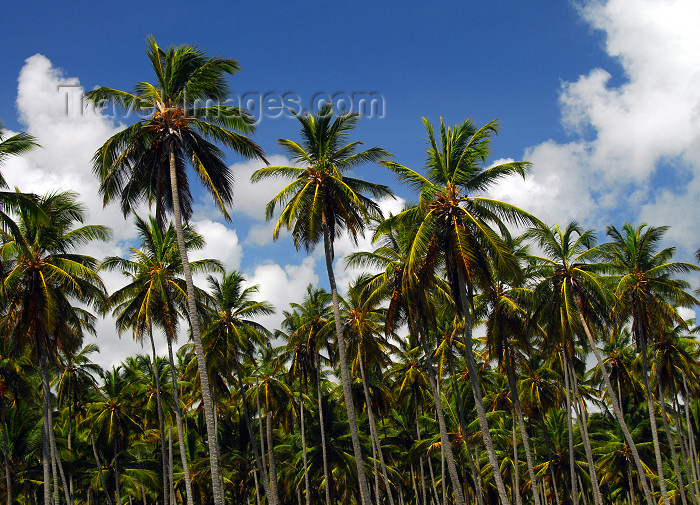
601, 96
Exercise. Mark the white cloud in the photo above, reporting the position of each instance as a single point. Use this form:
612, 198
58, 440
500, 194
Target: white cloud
251, 199
221, 243
282, 285
622, 135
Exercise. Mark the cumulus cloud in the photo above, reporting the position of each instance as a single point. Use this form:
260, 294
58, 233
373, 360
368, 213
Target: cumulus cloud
626, 138
251, 199
221, 243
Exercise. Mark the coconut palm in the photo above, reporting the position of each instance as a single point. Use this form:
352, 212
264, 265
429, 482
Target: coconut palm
320, 204
148, 160
459, 225
232, 334
649, 294
569, 299
45, 282
155, 297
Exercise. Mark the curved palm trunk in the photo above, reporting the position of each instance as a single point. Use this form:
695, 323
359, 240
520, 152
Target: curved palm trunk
685, 449
570, 428
516, 468
523, 430
171, 476
161, 423
326, 473
345, 372
212, 440
691, 439
117, 491
180, 428
617, 410
375, 437
45, 456
674, 455
444, 435
476, 389
103, 482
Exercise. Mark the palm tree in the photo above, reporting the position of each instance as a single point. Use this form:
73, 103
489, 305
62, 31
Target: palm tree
320, 204
458, 225
148, 160
156, 297
648, 293
233, 334
45, 281
569, 298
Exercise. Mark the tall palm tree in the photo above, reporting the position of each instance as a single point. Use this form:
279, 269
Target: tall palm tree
233, 334
148, 160
460, 225
569, 299
649, 294
155, 297
320, 204
45, 282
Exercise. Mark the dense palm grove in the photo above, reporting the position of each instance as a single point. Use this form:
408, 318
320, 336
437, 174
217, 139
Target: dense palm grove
481, 357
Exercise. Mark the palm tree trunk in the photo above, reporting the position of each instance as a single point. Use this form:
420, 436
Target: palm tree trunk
476, 476
691, 438
654, 430
476, 389
46, 451
58, 464
523, 430
669, 435
326, 486
375, 437
344, 371
171, 474
444, 435
264, 473
420, 459
580, 409
103, 482
617, 410
161, 422
212, 440
433, 483
302, 427
6, 452
116, 471
180, 428
259, 461
271, 452
685, 449
570, 427
516, 468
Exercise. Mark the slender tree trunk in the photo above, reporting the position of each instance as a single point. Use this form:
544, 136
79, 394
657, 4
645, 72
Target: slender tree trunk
669, 435
264, 474
117, 489
375, 436
420, 460
259, 461
570, 427
161, 422
180, 427
344, 371
271, 451
476, 476
255, 478
442, 476
302, 427
654, 430
6, 453
70, 450
46, 451
444, 435
171, 474
212, 439
516, 468
617, 410
54, 472
432, 481
326, 472
691, 439
103, 482
523, 430
58, 463
685, 450
580, 409
476, 389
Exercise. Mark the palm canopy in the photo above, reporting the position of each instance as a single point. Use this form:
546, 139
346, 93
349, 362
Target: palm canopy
156, 294
46, 277
15, 145
182, 115
456, 221
644, 279
322, 196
